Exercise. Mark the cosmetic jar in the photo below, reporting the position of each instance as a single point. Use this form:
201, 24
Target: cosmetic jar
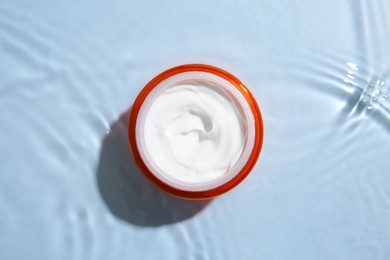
195, 131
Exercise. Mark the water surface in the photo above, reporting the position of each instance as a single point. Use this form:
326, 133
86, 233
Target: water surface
70, 70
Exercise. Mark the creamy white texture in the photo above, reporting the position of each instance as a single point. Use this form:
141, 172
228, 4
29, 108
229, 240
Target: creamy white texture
194, 132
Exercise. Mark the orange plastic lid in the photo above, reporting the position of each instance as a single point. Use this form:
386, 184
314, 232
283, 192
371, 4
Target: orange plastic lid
169, 187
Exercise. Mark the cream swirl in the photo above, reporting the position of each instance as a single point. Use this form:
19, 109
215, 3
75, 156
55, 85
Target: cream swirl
194, 131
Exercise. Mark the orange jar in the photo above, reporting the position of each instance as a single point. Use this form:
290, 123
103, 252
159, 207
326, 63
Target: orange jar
253, 128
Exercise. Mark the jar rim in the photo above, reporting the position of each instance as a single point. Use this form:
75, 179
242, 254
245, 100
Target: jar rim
196, 194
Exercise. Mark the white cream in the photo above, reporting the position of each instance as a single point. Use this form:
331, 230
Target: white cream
194, 132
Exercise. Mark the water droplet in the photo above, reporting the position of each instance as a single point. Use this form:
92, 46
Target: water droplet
377, 91
352, 65
347, 81
374, 99
369, 89
385, 96
369, 107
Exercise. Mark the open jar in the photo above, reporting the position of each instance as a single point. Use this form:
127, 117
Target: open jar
195, 131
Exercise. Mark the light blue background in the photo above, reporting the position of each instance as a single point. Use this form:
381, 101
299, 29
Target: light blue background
69, 69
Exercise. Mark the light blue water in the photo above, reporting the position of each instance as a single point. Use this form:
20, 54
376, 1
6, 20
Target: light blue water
320, 71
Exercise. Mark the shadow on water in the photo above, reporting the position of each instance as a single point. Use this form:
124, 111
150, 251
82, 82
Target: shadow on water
382, 118
128, 194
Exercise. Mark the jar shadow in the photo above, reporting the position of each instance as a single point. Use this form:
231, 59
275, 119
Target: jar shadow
128, 194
